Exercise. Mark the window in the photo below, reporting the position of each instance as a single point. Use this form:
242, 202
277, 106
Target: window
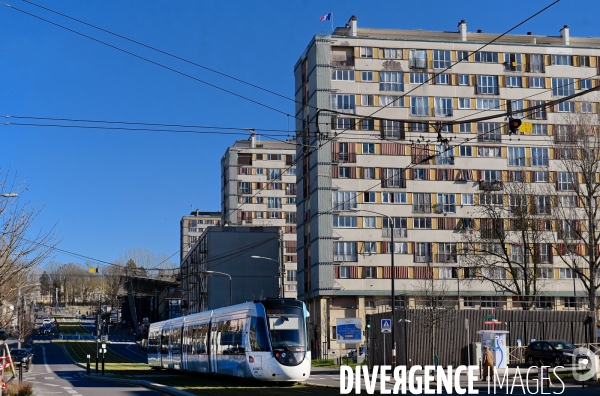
566, 107
274, 215
517, 105
419, 127
443, 107
584, 60
345, 222
445, 203
565, 181
441, 59
422, 223
568, 201
464, 127
370, 272
290, 217
418, 78
487, 85
490, 302
367, 100
444, 155
537, 82
391, 101
368, 173
494, 152
342, 75
538, 114
391, 81
291, 287
562, 60
542, 176
344, 200
488, 104
344, 172
539, 129
392, 53
343, 123
260, 215
244, 188
369, 222
418, 59
587, 107
369, 197
566, 273
368, 148
419, 106
273, 174
586, 83
344, 251
392, 177
245, 200
486, 57
290, 275
492, 175
517, 203
422, 252
463, 79
446, 273
343, 103
462, 56
392, 129
366, 76
419, 174
421, 203
370, 247
464, 103
489, 131
536, 63
544, 273
469, 302
274, 157
516, 156
290, 172
467, 199
399, 247
366, 52
344, 273
389, 197
367, 124
514, 82
442, 79
513, 62
539, 156
563, 86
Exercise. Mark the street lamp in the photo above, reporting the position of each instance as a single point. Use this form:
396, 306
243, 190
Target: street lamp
391, 224
230, 282
280, 264
406, 322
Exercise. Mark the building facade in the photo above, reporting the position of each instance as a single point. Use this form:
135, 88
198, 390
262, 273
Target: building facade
381, 160
192, 226
219, 271
258, 188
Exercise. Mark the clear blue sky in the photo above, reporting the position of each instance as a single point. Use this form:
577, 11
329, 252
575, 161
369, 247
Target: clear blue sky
110, 191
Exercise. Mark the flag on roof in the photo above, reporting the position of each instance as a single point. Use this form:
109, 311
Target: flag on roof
325, 17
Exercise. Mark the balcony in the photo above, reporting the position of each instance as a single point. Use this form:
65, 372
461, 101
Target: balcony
444, 160
398, 232
446, 258
343, 158
491, 185
421, 208
421, 259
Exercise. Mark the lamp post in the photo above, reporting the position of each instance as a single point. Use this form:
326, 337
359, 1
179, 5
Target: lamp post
230, 283
406, 322
573, 276
391, 224
281, 272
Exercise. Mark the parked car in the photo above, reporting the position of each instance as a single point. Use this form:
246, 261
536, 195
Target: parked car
554, 352
83, 316
29, 348
21, 356
46, 320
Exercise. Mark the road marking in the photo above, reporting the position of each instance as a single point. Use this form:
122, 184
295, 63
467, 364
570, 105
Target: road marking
48, 378
45, 362
67, 387
71, 391
52, 385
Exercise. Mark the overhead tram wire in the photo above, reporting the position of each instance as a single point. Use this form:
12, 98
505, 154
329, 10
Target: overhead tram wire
152, 62
402, 96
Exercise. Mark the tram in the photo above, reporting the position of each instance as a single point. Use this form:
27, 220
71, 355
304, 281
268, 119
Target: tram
265, 340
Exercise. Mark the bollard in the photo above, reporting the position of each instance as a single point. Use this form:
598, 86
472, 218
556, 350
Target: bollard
102, 362
21, 371
88, 365
480, 369
96, 364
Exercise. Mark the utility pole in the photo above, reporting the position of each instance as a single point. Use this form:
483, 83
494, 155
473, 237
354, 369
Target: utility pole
281, 265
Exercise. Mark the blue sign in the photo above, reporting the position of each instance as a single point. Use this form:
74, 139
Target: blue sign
349, 330
386, 325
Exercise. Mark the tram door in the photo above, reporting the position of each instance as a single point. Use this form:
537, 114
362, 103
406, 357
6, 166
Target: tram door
213, 347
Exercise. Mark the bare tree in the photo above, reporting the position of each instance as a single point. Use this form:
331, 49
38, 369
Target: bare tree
577, 185
437, 311
111, 276
513, 242
147, 263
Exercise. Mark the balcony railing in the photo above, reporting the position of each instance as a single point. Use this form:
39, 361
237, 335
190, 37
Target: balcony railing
344, 157
446, 258
398, 232
421, 208
422, 259
444, 160
491, 185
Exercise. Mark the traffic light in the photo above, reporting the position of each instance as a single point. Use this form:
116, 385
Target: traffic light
513, 125
93, 270
368, 321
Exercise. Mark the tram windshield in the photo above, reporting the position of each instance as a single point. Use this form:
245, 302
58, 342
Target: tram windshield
287, 333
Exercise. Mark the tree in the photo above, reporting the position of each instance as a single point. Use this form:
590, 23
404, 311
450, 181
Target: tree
577, 186
45, 284
513, 242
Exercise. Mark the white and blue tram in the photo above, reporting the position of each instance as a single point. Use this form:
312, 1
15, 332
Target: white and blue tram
264, 340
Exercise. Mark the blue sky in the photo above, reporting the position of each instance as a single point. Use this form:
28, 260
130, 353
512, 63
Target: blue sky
110, 191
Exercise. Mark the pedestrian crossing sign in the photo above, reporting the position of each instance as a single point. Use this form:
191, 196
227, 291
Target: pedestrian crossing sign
386, 325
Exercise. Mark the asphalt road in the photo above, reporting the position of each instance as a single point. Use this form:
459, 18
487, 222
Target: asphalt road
53, 374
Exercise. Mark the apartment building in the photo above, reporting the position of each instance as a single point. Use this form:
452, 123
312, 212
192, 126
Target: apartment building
258, 188
391, 167
192, 226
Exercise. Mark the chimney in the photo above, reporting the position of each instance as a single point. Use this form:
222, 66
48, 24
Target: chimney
462, 29
564, 33
353, 26
252, 138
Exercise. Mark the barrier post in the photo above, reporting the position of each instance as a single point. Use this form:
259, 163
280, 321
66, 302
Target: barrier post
103, 361
21, 372
88, 365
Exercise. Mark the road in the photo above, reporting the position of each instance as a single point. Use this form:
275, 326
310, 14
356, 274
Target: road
53, 374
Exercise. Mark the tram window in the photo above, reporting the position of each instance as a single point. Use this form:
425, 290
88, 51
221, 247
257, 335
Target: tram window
223, 336
152, 342
259, 340
189, 341
176, 341
201, 338
164, 342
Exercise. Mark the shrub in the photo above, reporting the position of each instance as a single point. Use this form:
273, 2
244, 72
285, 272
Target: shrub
18, 389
